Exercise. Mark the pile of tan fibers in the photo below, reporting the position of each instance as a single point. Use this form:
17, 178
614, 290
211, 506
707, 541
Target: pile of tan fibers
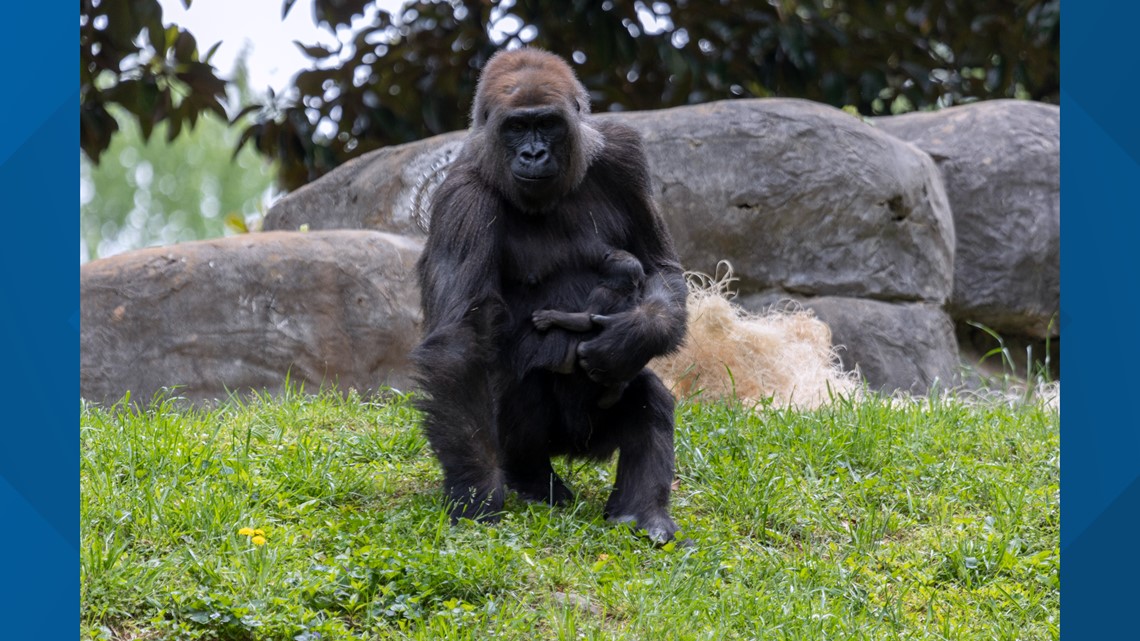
784, 355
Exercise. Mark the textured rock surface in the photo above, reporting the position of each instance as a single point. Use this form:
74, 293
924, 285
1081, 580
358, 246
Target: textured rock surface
894, 346
239, 313
1001, 165
387, 189
800, 198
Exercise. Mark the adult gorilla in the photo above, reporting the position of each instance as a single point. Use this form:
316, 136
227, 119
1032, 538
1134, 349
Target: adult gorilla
538, 196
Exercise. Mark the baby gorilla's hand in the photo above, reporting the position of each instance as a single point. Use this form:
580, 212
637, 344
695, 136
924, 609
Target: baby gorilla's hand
542, 320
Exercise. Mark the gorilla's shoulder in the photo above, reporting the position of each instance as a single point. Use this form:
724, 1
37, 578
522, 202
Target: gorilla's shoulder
623, 143
622, 161
463, 191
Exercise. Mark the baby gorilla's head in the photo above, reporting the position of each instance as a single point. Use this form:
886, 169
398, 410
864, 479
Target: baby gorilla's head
622, 272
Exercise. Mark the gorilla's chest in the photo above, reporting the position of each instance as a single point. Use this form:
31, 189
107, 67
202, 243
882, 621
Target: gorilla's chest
554, 258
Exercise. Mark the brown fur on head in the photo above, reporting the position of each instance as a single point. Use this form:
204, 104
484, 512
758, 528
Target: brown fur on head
522, 79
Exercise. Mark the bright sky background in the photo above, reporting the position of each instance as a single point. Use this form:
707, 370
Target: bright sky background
273, 58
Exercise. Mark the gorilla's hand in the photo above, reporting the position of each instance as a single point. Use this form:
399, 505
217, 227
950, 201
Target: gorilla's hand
619, 352
629, 339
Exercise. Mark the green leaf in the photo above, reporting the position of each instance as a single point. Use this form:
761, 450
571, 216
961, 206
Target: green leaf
210, 53
249, 133
200, 76
235, 222
146, 126
127, 93
171, 36
245, 111
95, 129
157, 39
174, 123
185, 47
313, 51
214, 105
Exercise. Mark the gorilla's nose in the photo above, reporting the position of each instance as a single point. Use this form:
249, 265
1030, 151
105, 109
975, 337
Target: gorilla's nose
533, 155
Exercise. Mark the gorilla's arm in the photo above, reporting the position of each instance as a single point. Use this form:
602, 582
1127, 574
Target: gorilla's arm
462, 307
656, 326
459, 268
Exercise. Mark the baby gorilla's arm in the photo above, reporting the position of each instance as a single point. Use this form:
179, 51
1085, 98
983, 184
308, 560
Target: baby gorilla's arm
545, 319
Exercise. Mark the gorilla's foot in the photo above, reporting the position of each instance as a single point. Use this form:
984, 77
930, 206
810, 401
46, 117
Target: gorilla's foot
655, 524
484, 505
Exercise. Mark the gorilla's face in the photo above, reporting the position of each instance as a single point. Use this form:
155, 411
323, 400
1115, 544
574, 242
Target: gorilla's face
537, 147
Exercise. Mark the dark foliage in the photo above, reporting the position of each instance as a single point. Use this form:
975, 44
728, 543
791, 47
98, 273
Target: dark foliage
408, 76
128, 57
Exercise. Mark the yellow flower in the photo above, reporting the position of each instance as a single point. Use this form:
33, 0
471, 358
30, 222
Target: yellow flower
258, 540
259, 532
247, 531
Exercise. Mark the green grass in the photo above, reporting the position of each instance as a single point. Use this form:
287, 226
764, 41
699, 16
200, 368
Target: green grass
868, 520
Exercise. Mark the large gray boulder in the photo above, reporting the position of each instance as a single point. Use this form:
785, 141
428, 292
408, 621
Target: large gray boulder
811, 204
1001, 164
239, 313
802, 199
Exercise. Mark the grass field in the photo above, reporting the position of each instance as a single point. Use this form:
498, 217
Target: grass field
320, 517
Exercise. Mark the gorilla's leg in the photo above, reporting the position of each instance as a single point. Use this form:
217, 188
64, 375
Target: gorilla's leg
611, 396
539, 483
458, 420
642, 423
525, 420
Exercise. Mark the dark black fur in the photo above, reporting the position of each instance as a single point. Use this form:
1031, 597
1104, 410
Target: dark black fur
619, 290
494, 412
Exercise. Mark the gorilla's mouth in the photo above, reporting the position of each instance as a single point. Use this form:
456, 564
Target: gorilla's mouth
533, 179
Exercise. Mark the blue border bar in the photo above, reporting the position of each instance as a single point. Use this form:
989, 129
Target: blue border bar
1100, 272
39, 178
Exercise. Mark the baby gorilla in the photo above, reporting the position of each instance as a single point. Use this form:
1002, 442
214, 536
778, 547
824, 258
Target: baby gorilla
619, 289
